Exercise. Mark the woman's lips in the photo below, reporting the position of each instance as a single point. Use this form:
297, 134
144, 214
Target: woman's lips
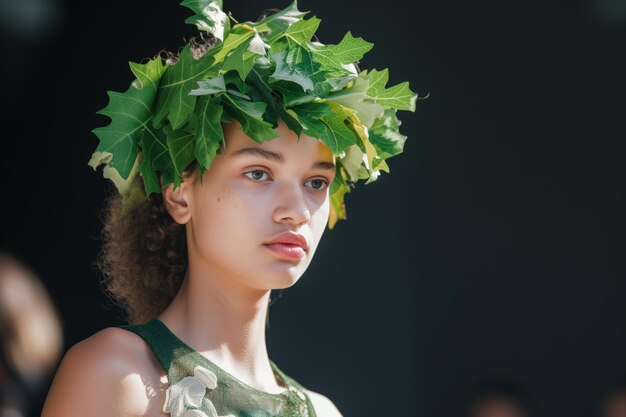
287, 250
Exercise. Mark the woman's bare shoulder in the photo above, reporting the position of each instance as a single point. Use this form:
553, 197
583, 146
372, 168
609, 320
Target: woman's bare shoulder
324, 407
112, 372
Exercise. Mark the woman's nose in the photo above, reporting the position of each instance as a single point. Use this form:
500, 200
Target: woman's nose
292, 204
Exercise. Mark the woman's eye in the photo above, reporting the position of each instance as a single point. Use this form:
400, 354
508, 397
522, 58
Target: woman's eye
322, 183
256, 174
318, 184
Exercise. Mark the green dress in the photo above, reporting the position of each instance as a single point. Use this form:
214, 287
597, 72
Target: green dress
199, 388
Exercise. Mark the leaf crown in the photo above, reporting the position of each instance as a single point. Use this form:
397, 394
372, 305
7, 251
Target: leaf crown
254, 72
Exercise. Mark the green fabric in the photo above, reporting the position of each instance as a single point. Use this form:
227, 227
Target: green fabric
231, 396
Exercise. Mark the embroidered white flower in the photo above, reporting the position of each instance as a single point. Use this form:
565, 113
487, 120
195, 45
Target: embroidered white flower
185, 397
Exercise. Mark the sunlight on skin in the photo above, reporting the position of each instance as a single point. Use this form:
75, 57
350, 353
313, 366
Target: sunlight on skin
235, 208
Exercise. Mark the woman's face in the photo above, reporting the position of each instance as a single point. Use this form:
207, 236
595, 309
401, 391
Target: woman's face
251, 194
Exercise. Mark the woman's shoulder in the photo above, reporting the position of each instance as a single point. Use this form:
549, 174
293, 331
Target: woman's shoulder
112, 342
108, 373
113, 352
324, 407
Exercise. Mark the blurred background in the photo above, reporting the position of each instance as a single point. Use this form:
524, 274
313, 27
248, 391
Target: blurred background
484, 276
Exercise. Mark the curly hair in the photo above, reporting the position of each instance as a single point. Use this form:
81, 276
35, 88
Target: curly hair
143, 258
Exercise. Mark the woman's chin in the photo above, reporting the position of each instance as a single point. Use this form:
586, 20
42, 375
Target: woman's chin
283, 276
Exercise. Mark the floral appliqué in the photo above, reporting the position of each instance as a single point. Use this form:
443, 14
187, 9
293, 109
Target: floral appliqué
186, 397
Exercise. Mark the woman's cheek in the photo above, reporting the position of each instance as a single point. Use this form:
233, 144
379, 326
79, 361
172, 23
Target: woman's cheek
319, 222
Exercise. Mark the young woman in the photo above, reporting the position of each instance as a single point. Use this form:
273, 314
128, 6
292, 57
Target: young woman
251, 225
246, 145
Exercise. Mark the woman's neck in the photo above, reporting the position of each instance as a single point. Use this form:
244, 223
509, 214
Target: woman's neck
225, 321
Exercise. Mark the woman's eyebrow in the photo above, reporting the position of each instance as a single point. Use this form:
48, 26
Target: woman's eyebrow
277, 157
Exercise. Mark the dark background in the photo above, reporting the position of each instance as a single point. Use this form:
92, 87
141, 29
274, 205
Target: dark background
493, 248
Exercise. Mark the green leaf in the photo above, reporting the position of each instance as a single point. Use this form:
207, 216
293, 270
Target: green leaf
275, 24
385, 135
399, 96
356, 97
369, 162
340, 79
317, 109
326, 121
258, 80
278, 47
302, 31
241, 59
211, 86
353, 162
349, 50
129, 112
226, 117
234, 79
174, 100
237, 36
208, 17
250, 115
156, 158
291, 93
209, 132
291, 120
258, 45
180, 144
148, 74
291, 73
304, 60
237, 93
297, 65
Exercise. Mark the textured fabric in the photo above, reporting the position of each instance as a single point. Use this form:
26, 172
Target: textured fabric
229, 396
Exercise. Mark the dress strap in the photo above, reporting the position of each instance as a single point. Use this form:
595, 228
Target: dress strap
158, 340
291, 383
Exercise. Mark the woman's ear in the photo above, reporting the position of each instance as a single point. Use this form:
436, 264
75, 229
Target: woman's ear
178, 202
